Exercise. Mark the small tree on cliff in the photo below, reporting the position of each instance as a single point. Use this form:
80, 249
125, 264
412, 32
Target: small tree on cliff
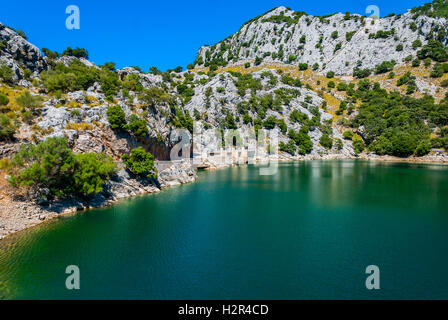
140, 163
116, 117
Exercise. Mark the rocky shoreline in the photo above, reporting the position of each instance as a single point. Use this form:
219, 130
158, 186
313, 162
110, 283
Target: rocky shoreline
19, 214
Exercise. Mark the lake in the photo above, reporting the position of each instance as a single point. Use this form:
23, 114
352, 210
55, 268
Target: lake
307, 232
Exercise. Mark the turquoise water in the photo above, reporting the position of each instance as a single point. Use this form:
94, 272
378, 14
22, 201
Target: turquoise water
307, 232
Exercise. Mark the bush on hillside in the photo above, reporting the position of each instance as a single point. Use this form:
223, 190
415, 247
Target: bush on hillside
4, 100
76, 52
27, 100
116, 117
6, 74
326, 142
137, 126
140, 163
7, 127
51, 165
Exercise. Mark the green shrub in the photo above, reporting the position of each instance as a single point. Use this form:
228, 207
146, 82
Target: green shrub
286, 79
27, 100
330, 74
439, 142
154, 96
182, 119
439, 69
78, 76
423, 148
384, 67
4, 100
416, 62
399, 47
116, 117
435, 50
348, 135
408, 58
358, 144
435, 9
132, 82
229, 121
334, 35
7, 127
326, 142
285, 19
53, 166
50, 54
289, 147
245, 82
403, 144
342, 86
270, 122
77, 52
381, 146
303, 66
140, 163
302, 140
405, 79
247, 118
22, 34
297, 116
137, 126
361, 73
394, 124
6, 74
109, 83
282, 125
349, 35
337, 47
417, 43
91, 171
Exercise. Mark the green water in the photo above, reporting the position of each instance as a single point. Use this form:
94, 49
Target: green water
307, 232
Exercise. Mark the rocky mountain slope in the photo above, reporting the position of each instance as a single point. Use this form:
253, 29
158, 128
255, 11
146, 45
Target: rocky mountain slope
338, 42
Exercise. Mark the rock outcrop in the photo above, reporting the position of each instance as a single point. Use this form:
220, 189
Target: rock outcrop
17, 53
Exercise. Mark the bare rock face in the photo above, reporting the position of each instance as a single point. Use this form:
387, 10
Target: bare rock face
17, 53
123, 185
147, 80
67, 60
175, 173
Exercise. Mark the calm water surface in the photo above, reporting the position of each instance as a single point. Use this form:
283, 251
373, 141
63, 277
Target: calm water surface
307, 232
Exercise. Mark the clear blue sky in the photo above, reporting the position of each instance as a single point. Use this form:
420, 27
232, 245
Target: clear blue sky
161, 33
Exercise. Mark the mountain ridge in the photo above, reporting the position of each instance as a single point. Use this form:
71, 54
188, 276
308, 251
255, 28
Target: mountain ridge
337, 42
